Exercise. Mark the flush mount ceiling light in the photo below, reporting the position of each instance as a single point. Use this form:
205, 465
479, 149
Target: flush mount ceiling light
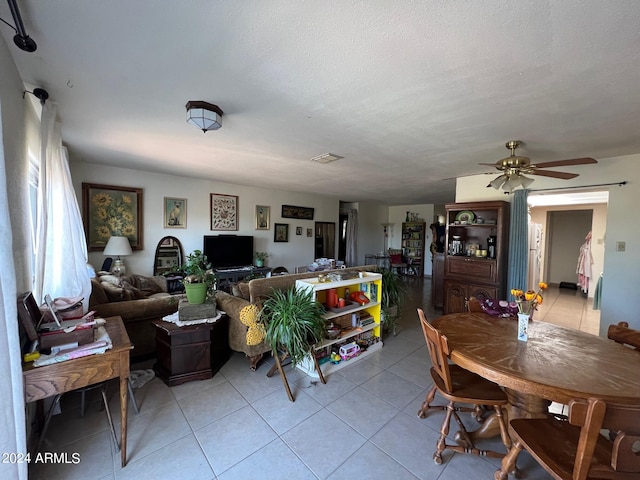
203, 115
326, 158
21, 39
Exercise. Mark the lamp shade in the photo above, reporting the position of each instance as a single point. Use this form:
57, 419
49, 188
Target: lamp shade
203, 115
118, 247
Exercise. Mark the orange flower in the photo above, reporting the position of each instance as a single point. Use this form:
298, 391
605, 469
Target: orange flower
528, 301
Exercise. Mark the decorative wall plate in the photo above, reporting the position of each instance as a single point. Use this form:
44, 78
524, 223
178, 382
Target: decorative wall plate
465, 216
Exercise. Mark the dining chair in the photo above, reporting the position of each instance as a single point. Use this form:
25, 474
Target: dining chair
396, 261
477, 412
474, 305
621, 333
576, 449
458, 385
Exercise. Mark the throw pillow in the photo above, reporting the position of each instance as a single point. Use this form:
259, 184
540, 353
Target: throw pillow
395, 258
244, 290
249, 316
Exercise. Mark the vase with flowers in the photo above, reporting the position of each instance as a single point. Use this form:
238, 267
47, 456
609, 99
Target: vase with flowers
527, 302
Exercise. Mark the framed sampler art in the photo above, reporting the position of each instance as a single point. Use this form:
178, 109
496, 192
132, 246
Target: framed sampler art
175, 212
224, 212
262, 217
111, 210
281, 232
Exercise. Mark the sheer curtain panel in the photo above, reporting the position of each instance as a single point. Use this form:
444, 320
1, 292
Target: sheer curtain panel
61, 248
351, 256
12, 418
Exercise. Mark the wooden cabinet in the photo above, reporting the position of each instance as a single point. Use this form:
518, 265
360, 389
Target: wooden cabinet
476, 252
193, 352
360, 322
437, 280
413, 243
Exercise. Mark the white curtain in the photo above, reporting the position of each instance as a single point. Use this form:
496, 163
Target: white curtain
351, 256
61, 247
12, 418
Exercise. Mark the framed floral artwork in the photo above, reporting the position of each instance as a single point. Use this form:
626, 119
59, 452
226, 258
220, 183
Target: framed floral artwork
224, 212
281, 232
262, 217
110, 210
175, 212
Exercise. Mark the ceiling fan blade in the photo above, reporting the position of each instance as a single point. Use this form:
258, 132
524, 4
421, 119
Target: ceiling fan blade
551, 173
564, 163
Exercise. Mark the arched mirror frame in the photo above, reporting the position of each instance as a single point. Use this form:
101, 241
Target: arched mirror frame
169, 255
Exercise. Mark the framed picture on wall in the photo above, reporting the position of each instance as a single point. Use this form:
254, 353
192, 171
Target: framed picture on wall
175, 212
263, 214
281, 232
110, 210
224, 212
298, 230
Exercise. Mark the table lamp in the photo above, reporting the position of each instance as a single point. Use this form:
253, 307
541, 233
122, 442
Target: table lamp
118, 247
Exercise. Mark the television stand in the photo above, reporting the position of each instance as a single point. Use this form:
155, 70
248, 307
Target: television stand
228, 276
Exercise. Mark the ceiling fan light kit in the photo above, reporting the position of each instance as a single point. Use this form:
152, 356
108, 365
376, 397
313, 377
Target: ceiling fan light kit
514, 166
204, 115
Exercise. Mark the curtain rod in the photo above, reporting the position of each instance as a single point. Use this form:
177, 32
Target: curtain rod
620, 184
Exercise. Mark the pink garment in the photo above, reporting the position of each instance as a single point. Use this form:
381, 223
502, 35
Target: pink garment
585, 260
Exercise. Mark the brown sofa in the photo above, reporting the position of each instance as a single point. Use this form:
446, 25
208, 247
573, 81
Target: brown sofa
256, 291
139, 302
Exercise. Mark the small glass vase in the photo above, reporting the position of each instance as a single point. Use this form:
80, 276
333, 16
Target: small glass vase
523, 327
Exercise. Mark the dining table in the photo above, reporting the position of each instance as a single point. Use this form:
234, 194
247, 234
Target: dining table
556, 363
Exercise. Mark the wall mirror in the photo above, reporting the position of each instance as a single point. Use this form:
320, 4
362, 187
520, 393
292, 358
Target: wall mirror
325, 240
169, 256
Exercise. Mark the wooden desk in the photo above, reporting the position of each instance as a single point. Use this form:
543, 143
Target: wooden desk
556, 364
49, 380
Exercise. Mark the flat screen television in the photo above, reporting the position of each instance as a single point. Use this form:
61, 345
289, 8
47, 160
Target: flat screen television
228, 251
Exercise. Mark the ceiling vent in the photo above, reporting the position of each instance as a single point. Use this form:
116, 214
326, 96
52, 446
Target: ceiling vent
326, 158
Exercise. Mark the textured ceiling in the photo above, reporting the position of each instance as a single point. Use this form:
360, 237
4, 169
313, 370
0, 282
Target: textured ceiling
410, 93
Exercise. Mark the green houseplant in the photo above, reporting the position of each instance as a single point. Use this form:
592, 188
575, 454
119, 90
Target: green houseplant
392, 299
199, 280
294, 322
260, 258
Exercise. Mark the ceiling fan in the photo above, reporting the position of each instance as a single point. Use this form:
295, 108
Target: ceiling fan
514, 166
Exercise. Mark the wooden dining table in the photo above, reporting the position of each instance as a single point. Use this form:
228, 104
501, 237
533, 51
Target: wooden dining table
555, 364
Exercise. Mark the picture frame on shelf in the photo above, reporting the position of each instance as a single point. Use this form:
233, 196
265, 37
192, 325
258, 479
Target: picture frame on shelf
224, 212
281, 232
175, 212
263, 217
299, 213
111, 210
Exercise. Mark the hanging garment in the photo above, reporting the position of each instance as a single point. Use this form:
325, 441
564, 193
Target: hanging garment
585, 260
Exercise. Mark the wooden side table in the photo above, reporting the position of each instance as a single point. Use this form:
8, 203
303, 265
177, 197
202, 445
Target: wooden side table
184, 353
193, 352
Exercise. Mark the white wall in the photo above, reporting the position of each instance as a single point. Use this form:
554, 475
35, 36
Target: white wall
371, 216
297, 251
621, 269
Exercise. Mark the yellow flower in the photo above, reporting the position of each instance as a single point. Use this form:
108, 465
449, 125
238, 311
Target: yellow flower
528, 301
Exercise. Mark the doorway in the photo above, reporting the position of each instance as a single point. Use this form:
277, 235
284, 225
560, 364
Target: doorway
566, 232
325, 240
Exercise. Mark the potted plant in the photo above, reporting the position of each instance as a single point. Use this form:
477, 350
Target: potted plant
260, 258
392, 299
199, 280
294, 322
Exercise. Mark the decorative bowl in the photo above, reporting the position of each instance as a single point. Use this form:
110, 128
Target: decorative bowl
332, 332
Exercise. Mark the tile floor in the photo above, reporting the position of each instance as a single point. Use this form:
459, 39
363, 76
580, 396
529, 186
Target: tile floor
240, 424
